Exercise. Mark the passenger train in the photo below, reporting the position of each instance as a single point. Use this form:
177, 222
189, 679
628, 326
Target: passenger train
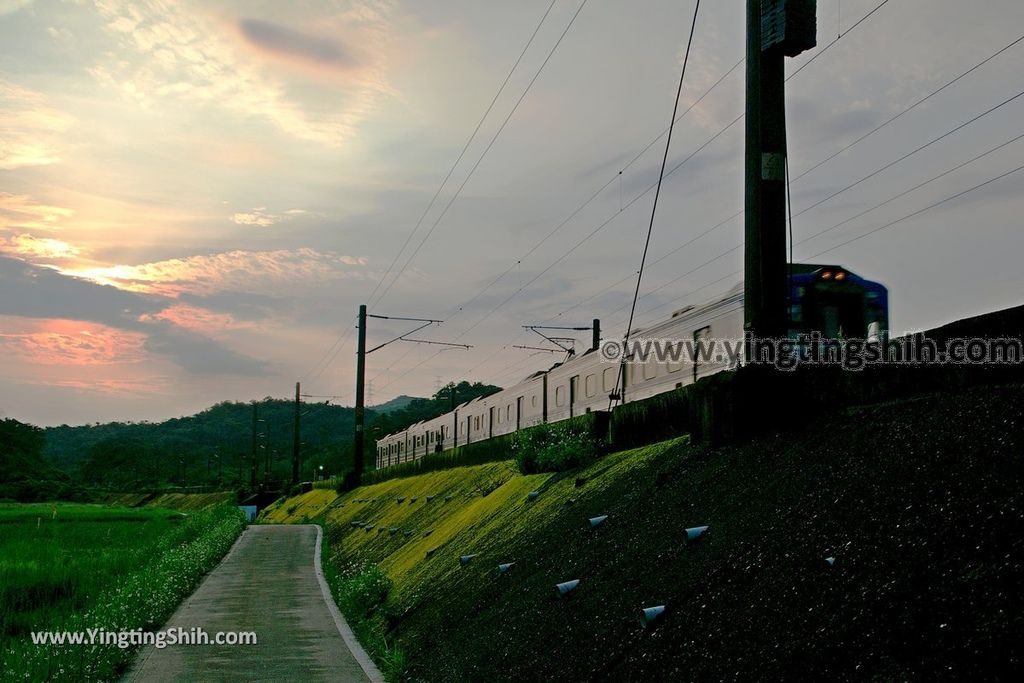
827, 299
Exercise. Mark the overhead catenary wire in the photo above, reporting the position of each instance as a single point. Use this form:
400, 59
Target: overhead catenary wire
648, 189
344, 338
487, 149
622, 207
462, 153
611, 180
842, 190
657, 192
822, 50
819, 233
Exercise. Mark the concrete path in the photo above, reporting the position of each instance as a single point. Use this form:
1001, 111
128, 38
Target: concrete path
269, 583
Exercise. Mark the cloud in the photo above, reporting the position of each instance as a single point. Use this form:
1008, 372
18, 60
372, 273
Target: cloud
259, 217
31, 131
12, 6
198, 354
36, 292
254, 218
70, 342
171, 52
21, 211
243, 271
44, 248
291, 43
199, 319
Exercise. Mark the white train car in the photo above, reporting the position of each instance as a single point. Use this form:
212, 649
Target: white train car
721, 319
825, 298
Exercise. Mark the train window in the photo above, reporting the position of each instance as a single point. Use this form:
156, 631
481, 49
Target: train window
651, 367
677, 354
476, 422
533, 401
508, 412
608, 379
590, 386
559, 396
499, 417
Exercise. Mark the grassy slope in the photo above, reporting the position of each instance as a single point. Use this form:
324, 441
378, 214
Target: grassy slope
192, 501
920, 502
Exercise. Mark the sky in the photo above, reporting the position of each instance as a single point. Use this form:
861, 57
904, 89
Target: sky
195, 197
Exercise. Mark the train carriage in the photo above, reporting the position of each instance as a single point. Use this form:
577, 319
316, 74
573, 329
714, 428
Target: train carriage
828, 299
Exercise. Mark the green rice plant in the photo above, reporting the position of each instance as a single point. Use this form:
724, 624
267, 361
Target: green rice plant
90, 567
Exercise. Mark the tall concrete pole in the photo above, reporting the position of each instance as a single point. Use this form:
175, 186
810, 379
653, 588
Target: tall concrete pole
775, 29
296, 436
357, 465
252, 463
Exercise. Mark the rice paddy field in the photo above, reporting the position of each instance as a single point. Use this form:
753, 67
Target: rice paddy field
74, 567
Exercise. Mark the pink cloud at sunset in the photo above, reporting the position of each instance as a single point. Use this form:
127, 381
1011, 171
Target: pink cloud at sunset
201, 320
70, 342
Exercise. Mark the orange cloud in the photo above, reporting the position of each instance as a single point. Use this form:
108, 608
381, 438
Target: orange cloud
249, 271
21, 211
43, 248
70, 342
201, 320
32, 129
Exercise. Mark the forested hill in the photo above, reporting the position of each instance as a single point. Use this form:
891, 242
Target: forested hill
213, 446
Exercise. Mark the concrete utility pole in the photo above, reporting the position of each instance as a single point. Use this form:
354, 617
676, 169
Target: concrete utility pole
775, 29
252, 464
296, 436
357, 465
361, 352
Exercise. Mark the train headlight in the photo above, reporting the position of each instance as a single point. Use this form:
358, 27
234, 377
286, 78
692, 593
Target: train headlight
840, 276
827, 275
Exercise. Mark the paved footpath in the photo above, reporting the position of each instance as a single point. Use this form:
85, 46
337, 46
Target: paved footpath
269, 583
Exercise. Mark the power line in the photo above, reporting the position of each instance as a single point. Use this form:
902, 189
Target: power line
456, 310
740, 117
657, 192
462, 153
911, 107
344, 338
921, 211
841, 223
835, 194
622, 208
836, 39
650, 187
490, 144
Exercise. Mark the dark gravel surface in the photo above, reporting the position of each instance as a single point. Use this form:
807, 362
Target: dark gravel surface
920, 502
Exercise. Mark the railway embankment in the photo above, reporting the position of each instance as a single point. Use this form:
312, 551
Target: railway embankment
881, 541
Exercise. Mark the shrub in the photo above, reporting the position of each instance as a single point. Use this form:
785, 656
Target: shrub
559, 446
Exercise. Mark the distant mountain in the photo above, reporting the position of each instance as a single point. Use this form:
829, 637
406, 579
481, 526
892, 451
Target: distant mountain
397, 403
213, 446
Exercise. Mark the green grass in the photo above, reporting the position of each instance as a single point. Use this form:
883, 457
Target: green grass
921, 502
92, 566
